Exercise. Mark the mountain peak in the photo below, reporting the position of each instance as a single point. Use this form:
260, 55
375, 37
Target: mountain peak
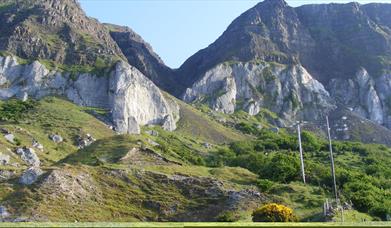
274, 3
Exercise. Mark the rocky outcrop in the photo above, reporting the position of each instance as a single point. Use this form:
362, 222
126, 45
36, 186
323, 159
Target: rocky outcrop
141, 55
58, 30
288, 90
137, 101
365, 95
29, 156
331, 42
4, 159
30, 176
56, 138
131, 97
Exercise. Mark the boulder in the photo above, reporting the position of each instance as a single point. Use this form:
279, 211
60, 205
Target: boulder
4, 159
28, 155
37, 145
153, 143
152, 133
207, 145
56, 138
10, 138
86, 141
30, 176
4, 131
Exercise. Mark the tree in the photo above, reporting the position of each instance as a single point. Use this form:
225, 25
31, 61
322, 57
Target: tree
283, 167
274, 213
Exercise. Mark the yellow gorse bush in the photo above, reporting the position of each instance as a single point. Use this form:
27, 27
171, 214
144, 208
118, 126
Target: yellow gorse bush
273, 212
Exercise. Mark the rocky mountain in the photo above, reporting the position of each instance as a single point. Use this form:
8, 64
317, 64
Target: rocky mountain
132, 99
299, 62
51, 47
102, 142
56, 30
140, 54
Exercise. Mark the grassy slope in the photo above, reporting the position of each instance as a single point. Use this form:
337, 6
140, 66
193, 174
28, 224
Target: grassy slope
194, 123
55, 116
120, 198
120, 201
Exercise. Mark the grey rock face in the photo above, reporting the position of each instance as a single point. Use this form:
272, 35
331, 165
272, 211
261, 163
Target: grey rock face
137, 101
365, 95
126, 92
319, 37
29, 156
67, 26
141, 55
30, 176
289, 91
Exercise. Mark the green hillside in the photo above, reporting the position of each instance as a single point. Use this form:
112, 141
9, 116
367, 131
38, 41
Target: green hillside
192, 174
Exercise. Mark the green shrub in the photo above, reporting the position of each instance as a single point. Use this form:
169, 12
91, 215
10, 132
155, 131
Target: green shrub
228, 216
15, 110
283, 167
274, 213
310, 142
243, 147
17, 142
265, 185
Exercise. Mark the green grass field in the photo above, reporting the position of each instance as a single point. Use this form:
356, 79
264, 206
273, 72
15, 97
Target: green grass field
201, 224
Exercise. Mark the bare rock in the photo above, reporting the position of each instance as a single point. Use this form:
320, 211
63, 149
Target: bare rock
153, 143
29, 156
4, 159
30, 176
207, 145
85, 141
56, 138
10, 138
152, 133
37, 145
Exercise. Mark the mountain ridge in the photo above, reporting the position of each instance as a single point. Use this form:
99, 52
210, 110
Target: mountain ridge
348, 46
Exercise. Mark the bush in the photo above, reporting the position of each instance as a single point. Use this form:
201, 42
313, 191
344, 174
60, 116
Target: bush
310, 142
220, 158
274, 213
264, 185
243, 147
228, 216
282, 167
15, 110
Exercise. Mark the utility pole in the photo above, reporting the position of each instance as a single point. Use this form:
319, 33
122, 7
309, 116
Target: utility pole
301, 153
332, 160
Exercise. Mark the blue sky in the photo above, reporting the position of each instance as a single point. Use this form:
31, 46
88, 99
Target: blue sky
176, 29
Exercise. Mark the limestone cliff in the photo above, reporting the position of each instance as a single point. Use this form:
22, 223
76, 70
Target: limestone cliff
131, 97
344, 49
367, 96
288, 90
